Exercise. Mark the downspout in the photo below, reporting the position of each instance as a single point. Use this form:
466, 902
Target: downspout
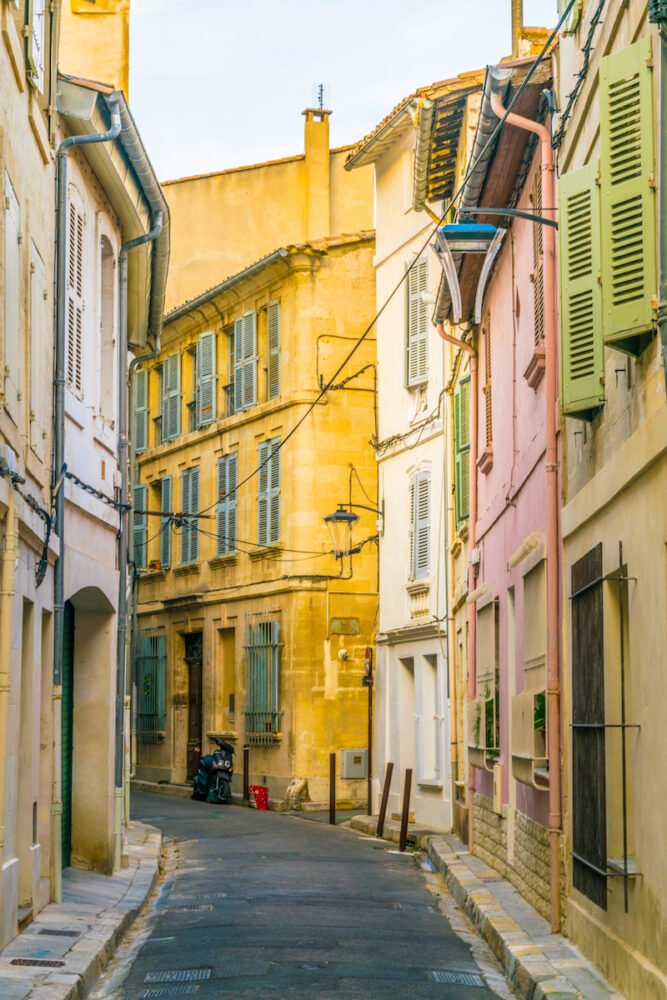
7, 594
553, 569
121, 621
58, 479
472, 522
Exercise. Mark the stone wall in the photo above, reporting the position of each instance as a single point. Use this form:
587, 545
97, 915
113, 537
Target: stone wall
529, 870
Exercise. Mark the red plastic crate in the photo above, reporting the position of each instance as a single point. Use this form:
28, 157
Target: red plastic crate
260, 795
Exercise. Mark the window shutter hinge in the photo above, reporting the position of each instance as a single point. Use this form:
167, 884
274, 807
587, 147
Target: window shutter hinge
652, 182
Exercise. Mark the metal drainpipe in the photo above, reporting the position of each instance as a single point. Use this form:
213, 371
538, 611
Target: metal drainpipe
121, 620
59, 458
551, 466
7, 594
662, 203
472, 520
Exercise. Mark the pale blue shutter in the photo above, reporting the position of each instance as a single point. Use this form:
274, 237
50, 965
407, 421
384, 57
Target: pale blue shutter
226, 520
194, 508
185, 509
422, 524
165, 507
274, 350
263, 494
274, 493
249, 360
417, 338
140, 411
238, 365
171, 397
411, 529
139, 526
206, 380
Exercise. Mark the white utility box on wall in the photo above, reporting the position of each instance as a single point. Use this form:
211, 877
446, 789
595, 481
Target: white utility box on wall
354, 763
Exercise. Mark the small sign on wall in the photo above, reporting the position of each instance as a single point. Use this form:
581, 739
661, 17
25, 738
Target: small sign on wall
345, 626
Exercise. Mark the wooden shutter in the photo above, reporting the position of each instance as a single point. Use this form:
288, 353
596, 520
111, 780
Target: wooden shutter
171, 397
185, 509
226, 513
274, 350
627, 175
462, 449
422, 525
538, 261
206, 380
417, 325
139, 525
249, 360
140, 411
274, 493
238, 365
38, 360
263, 455
488, 394
75, 305
411, 529
589, 780
35, 43
165, 536
582, 350
194, 508
12, 296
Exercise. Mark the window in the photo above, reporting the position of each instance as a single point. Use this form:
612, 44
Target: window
36, 42
273, 384
420, 524
139, 526
39, 337
140, 410
262, 682
107, 311
150, 671
417, 346
462, 450
12, 296
205, 380
165, 522
245, 361
170, 386
268, 496
487, 720
226, 507
190, 505
75, 304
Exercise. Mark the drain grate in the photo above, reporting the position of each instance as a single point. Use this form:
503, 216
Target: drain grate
198, 895
412, 907
461, 978
38, 963
190, 908
52, 932
177, 975
168, 991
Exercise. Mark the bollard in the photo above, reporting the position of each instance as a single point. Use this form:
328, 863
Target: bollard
246, 775
385, 798
406, 809
332, 789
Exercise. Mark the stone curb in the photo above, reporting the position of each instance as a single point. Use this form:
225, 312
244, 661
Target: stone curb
104, 929
524, 960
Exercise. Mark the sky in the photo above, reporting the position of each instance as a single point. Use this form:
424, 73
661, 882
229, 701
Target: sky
218, 83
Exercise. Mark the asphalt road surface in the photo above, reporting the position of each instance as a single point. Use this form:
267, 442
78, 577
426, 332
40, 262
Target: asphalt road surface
259, 904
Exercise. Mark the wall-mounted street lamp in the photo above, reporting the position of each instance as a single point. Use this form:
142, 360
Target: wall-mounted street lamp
340, 525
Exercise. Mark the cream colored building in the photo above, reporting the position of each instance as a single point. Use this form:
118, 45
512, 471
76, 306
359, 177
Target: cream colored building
611, 152
247, 625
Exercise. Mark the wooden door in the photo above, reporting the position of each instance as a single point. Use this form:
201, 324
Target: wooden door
193, 659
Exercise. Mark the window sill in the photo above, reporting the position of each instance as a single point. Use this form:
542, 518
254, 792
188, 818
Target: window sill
152, 574
434, 783
219, 562
485, 462
185, 568
267, 550
534, 373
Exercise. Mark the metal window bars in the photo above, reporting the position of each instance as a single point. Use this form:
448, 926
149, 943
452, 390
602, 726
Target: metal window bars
150, 672
262, 652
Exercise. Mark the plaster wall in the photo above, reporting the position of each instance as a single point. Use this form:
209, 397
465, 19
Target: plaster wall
95, 41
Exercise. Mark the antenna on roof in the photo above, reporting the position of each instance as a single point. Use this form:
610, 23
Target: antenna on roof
320, 96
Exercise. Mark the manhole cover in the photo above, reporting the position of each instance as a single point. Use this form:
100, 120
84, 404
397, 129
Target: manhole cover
462, 978
177, 975
168, 991
55, 933
39, 963
412, 907
190, 908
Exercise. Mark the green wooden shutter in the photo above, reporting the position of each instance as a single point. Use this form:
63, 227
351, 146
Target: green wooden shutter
206, 380
274, 350
274, 493
171, 397
462, 450
165, 537
422, 524
627, 175
263, 493
139, 526
417, 346
140, 411
582, 349
185, 509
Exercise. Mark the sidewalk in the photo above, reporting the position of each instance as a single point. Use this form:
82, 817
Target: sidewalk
62, 953
539, 964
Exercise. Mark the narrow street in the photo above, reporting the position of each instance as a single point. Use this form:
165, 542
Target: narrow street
258, 903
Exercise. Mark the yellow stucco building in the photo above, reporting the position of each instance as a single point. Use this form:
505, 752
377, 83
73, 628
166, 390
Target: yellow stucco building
246, 623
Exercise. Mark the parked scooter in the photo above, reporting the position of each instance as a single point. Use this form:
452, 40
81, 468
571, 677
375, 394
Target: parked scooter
213, 783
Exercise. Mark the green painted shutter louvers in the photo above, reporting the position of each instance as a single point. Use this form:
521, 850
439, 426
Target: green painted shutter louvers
462, 450
582, 349
628, 202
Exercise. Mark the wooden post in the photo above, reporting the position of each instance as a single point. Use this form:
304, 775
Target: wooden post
406, 809
385, 798
246, 775
332, 789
